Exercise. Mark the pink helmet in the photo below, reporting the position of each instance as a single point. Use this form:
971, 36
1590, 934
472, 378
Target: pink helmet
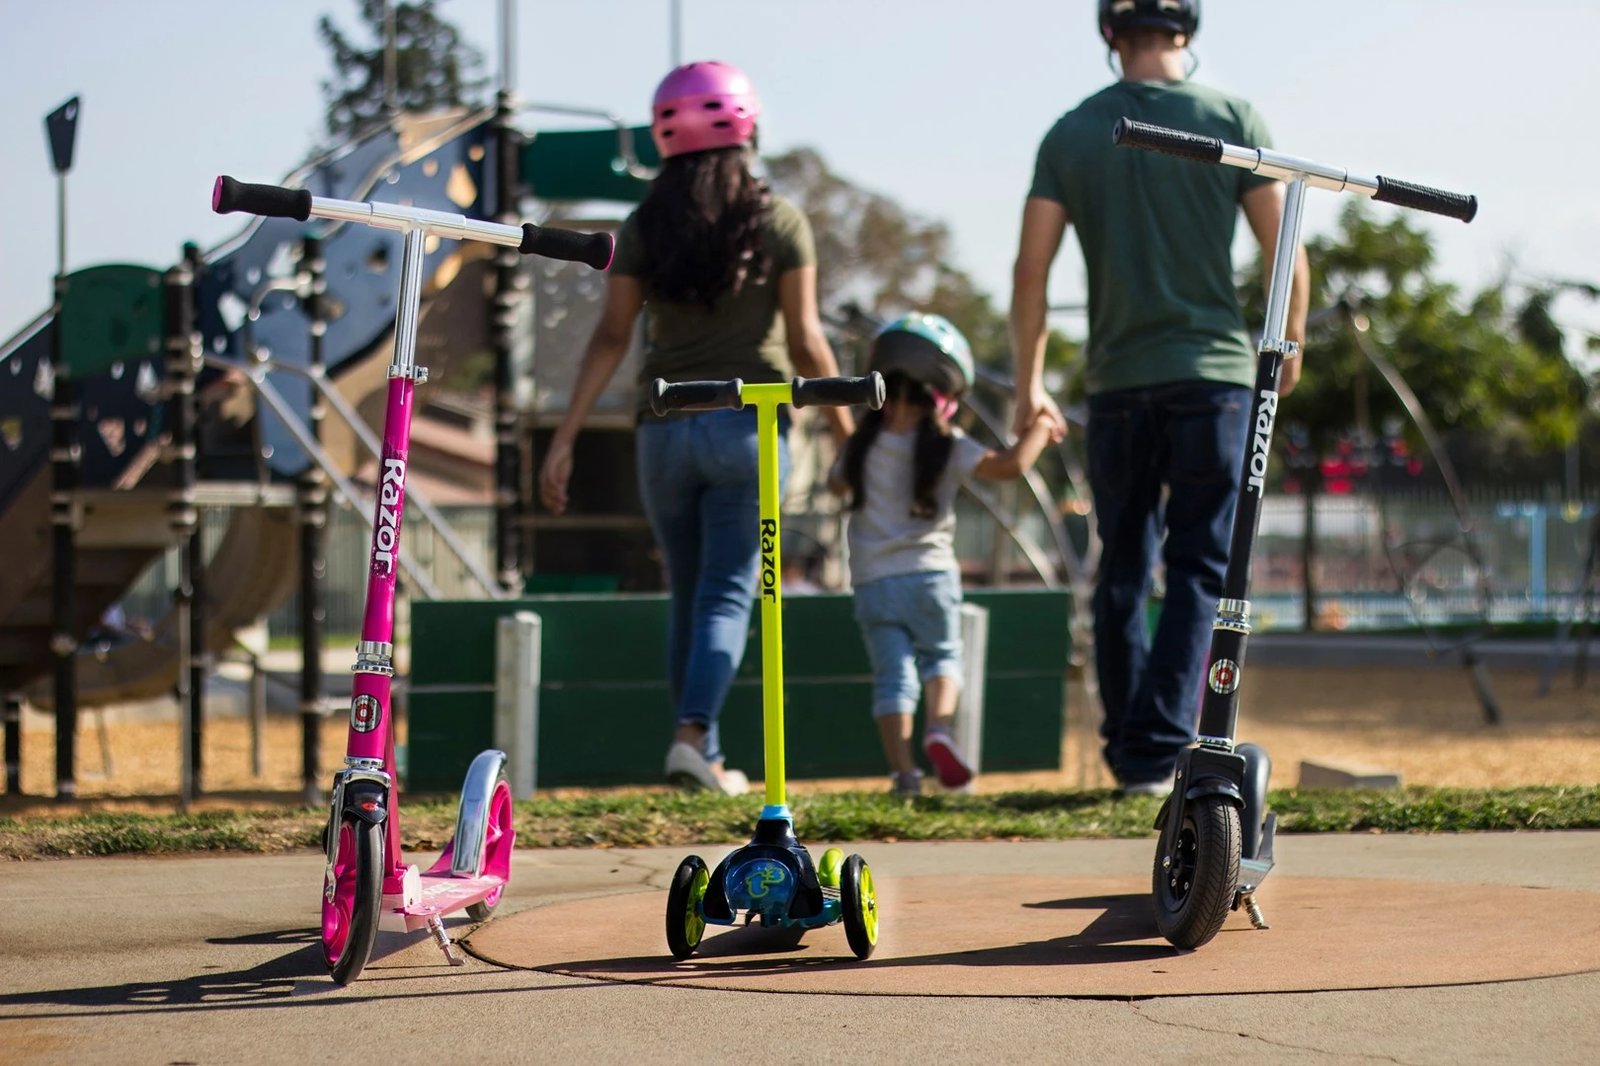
701, 106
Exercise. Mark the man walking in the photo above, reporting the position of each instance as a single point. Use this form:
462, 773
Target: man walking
1169, 364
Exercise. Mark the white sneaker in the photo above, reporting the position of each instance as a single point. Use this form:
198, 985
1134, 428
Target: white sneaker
687, 766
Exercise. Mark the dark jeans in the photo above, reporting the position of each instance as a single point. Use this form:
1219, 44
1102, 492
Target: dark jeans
1187, 438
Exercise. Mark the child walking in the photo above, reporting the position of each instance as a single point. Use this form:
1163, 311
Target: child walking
900, 471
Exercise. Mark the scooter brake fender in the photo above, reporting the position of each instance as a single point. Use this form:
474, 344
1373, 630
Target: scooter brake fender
365, 801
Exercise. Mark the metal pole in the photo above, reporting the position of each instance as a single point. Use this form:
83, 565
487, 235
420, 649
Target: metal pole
677, 33
13, 716
61, 225
66, 457
508, 45
510, 504
391, 64
189, 473
313, 541
182, 517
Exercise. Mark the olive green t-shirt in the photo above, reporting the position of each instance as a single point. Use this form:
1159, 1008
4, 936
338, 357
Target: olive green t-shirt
742, 336
1156, 233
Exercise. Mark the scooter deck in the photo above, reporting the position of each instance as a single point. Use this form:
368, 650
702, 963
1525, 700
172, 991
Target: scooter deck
434, 896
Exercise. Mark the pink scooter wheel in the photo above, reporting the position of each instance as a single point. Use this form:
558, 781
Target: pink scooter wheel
499, 839
351, 903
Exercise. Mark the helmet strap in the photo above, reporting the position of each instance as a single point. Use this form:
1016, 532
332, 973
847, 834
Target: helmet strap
1194, 62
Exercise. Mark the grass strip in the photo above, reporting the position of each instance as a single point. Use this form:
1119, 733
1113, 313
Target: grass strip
679, 819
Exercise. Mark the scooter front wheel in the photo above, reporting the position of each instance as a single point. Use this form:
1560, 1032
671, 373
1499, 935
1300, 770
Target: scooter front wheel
858, 903
685, 922
352, 895
1195, 875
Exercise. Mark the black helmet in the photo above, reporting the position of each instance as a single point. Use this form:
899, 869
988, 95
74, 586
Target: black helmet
1179, 16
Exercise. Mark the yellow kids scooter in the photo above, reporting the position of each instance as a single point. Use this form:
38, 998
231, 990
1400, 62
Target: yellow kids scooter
772, 877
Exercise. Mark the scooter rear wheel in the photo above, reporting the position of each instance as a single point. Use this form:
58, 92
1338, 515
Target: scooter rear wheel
858, 901
498, 840
351, 902
685, 923
1195, 876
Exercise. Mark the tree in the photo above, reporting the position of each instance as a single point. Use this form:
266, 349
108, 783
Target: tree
1491, 368
434, 66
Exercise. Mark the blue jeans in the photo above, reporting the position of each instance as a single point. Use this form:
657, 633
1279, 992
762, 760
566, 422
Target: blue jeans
697, 477
1187, 438
912, 626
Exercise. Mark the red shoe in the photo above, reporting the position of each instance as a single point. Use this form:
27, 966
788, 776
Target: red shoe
948, 762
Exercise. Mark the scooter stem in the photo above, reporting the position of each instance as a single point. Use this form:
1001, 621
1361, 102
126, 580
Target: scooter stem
766, 398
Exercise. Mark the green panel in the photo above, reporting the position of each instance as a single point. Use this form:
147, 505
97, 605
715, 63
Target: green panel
605, 717
110, 314
585, 165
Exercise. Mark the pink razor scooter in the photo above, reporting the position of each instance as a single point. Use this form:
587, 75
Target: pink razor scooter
367, 885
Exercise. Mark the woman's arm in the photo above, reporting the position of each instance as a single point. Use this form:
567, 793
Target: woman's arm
808, 348
608, 345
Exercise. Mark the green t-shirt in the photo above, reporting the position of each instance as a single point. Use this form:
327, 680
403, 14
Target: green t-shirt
742, 336
1156, 233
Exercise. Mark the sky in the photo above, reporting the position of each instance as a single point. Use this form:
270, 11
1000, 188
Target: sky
939, 104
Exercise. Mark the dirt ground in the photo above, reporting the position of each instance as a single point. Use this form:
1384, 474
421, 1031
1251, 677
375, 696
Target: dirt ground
1424, 723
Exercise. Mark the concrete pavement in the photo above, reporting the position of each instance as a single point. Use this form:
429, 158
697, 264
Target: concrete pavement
214, 959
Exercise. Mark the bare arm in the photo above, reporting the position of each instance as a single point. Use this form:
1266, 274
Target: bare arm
1044, 223
1018, 459
608, 346
809, 350
1263, 207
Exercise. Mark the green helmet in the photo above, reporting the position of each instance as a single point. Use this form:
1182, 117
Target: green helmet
926, 349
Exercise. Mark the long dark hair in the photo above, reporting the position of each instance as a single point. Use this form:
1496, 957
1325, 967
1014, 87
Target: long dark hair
701, 226
929, 457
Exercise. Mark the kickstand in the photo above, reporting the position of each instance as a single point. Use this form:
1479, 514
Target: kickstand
440, 937
1247, 900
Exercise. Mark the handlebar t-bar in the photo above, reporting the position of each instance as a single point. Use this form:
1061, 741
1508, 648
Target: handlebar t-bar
591, 249
1133, 134
696, 395
273, 201
839, 392
1423, 198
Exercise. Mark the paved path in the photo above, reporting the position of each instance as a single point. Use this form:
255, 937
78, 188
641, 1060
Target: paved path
212, 959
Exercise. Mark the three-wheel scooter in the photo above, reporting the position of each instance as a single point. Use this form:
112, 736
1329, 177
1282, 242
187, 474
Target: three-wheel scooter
367, 885
1215, 846
771, 878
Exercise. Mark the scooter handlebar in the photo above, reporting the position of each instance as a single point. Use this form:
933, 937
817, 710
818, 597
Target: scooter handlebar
591, 249
695, 395
1424, 198
839, 392
1133, 134
273, 201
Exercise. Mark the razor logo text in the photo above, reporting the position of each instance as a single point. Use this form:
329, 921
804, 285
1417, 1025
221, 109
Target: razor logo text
1266, 414
769, 566
386, 534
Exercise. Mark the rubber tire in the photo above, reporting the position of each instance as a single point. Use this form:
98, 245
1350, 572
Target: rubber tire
1189, 917
366, 901
680, 899
862, 934
494, 836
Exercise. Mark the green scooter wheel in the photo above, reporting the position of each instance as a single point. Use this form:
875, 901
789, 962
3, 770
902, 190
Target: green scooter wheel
685, 922
828, 868
858, 901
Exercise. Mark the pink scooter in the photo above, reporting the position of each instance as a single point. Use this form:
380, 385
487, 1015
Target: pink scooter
367, 885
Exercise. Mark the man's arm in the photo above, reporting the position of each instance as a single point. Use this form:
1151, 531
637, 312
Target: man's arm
1044, 223
1263, 207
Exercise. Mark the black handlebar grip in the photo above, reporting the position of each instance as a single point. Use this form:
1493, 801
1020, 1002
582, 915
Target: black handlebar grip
1423, 198
695, 395
592, 249
838, 392
1131, 134
273, 201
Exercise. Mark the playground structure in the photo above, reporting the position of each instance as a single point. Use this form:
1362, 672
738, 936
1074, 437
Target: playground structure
237, 378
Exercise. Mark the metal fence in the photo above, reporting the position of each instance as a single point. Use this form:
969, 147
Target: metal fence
1377, 564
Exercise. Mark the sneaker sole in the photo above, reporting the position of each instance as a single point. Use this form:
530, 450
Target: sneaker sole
953, 773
